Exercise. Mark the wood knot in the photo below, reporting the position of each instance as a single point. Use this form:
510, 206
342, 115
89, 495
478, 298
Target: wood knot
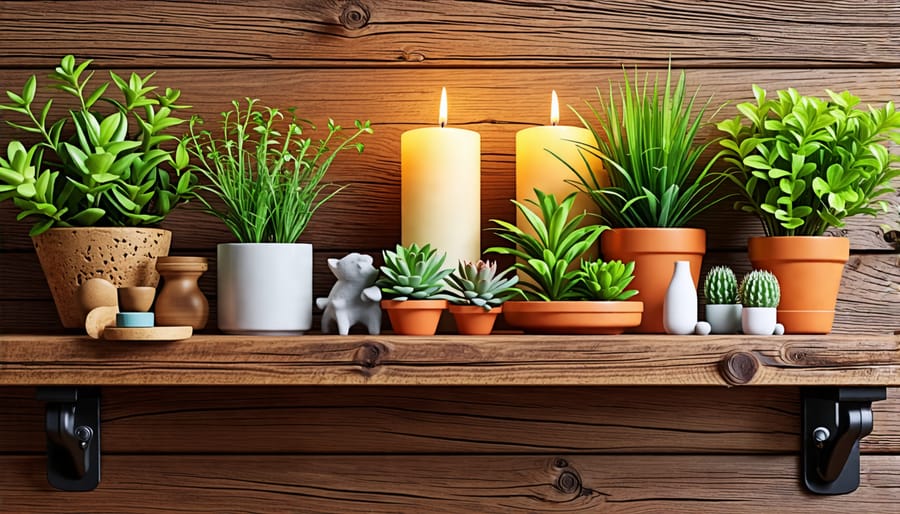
568, 483
370, 354
561, 463
355, 15
739, 368
413, 56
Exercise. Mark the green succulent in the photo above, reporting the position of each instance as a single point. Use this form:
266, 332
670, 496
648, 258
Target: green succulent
760, 288
605, 281
804, 164
90, 167
413, 273
478, 283
547, 256
720, 286
646, 136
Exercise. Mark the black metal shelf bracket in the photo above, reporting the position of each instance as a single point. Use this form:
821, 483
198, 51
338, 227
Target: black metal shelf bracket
73, 436
834, 421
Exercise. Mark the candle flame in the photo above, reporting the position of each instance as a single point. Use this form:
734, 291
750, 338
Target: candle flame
554, 108
442, 116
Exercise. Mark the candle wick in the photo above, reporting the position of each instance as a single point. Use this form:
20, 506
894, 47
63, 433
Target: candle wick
443, 123
554, 123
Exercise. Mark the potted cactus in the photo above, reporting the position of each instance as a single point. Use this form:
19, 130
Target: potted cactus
723, 305
412, 279
760, 295
562, 298
476, 293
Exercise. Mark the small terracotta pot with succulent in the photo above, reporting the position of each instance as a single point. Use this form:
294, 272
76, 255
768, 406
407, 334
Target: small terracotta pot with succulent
412, 279
476, 292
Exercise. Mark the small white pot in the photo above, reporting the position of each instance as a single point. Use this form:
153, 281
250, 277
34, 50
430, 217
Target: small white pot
759, 321
724, 318
265, 288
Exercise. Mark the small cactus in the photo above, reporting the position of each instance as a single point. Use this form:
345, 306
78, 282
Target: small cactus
605, 281
720, 286
478, 283
760, 289
413, 273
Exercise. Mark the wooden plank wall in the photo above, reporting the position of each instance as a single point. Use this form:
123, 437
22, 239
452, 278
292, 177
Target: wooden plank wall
444, 449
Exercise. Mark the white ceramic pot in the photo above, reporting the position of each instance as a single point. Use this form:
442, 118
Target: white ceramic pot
724, 318
759, 321
265, 288
680, 304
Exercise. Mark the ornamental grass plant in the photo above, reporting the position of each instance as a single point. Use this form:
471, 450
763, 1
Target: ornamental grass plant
646, 134
264, 171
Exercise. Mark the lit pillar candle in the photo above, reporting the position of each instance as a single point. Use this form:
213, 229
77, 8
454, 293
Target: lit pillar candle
440, 188
537, 168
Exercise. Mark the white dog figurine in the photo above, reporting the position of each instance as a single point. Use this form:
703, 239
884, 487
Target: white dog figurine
354, 297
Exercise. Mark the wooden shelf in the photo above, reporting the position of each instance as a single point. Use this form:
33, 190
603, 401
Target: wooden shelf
501, 360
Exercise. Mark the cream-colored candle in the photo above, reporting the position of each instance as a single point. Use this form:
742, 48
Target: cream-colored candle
537, 168
440, 189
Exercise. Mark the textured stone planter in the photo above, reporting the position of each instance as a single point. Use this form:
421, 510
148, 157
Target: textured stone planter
125, 256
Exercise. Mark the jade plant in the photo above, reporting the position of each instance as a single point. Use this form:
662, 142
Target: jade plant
547, 257
413, 273
264, 174
106, 162
479, 284
803, 164
720, 286
647, 137
605, 281
759, 288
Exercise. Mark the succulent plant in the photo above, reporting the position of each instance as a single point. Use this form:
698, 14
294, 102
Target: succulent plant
547, 256
413, 273
720, 286
605, 281
760, 288
479, 284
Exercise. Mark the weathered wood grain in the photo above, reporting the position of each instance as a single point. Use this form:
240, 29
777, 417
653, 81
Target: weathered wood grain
510, 360
430, 420
449, 33
496, 103
564, 483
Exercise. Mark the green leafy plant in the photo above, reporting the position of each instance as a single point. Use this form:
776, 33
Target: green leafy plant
760, 288
479, 284
103, 163
547, 256
648, 142
266, 175
720, 286
605, 281
413, 273
804, 164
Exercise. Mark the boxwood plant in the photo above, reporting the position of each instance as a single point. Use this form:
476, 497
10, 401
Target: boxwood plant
804, 164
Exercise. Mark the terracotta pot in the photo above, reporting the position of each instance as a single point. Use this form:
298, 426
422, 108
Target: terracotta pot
125, 256
573, 317
414, 317
654, 252
472, 320
809, 270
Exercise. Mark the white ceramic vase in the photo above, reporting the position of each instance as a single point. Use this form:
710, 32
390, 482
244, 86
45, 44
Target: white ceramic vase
724, 318
265, 288
680, 305
759, 321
